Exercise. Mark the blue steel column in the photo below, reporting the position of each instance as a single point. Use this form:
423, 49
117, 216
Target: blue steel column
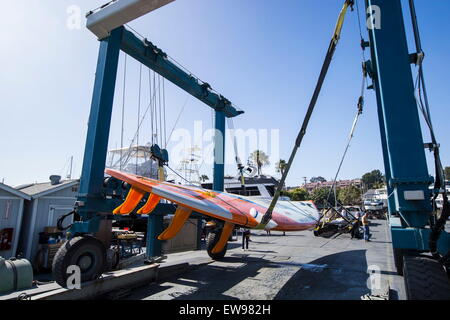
219, 152
406, 167
96, 147
154, 228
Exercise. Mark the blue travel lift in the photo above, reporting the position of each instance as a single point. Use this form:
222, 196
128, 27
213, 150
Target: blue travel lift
408, 181
98, 196
420, 244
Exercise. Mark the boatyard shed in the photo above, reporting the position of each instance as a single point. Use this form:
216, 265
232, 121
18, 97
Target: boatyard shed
49, 201
12, 203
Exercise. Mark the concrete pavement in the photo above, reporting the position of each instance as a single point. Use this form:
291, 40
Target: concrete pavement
296, 266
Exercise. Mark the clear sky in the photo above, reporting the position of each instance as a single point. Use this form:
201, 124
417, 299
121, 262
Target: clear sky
264, 55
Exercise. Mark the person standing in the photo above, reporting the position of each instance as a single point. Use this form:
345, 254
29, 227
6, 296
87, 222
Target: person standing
245, 239
365, 223
355, 232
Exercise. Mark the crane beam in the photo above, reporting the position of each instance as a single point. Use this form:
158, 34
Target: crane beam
154, 58
117, 13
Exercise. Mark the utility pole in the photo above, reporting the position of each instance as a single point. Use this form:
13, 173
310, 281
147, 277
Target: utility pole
71, 167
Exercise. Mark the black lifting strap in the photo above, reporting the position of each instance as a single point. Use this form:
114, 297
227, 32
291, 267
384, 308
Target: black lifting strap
312, 104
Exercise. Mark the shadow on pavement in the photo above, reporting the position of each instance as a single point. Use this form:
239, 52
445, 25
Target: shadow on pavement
339, 276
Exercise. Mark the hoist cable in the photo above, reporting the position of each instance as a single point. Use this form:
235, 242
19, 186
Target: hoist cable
350, 138
151, 112
360, 31
155, 111
138, 116
149, 107
160, 112
422, 100
233, 133
164, 115
123, 109
329, 56
240, 167
179, 175
358, 114
178, 118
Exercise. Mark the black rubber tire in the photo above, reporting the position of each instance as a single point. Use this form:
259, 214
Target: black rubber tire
425, 279
211, 239
71, 252
398, 260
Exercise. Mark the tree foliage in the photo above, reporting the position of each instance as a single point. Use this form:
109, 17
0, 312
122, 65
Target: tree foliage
447, 173
373, 179
260, 158
280, 166
320, 196
317, 179
350, 195
298, 194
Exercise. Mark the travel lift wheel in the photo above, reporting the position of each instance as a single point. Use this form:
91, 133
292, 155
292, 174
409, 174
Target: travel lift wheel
86, 252
398, 260
425, 279
211, 239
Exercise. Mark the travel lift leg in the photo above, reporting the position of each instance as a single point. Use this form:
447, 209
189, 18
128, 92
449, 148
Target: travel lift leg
88, 252
94, 205
406, 169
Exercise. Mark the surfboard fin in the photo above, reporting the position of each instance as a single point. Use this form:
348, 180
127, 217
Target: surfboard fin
224, 236
131, 202
180, 217
150, 205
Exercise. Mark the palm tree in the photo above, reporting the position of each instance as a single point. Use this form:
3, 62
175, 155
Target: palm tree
280, 166
204, 178
260, 158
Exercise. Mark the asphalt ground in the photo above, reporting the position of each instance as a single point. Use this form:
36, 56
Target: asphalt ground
295, 266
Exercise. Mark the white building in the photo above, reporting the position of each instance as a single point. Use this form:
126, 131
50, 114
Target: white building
49, 201
12, 203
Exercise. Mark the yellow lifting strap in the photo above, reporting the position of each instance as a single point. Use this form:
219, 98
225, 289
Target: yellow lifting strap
224, 236
178, 220
161, 174
133, 198
340, 21
150, 205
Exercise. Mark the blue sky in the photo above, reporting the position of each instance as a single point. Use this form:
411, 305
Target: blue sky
264, 55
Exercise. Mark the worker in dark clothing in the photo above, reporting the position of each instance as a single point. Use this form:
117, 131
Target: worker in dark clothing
356, 225
245, 239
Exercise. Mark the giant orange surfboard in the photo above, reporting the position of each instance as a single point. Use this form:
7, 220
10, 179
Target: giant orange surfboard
237, 210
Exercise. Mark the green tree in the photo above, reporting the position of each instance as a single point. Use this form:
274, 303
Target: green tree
298, 194
204, 178
261, 159
373, 180
320, 196
350, 195
280, 166
447, 173
317, 179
